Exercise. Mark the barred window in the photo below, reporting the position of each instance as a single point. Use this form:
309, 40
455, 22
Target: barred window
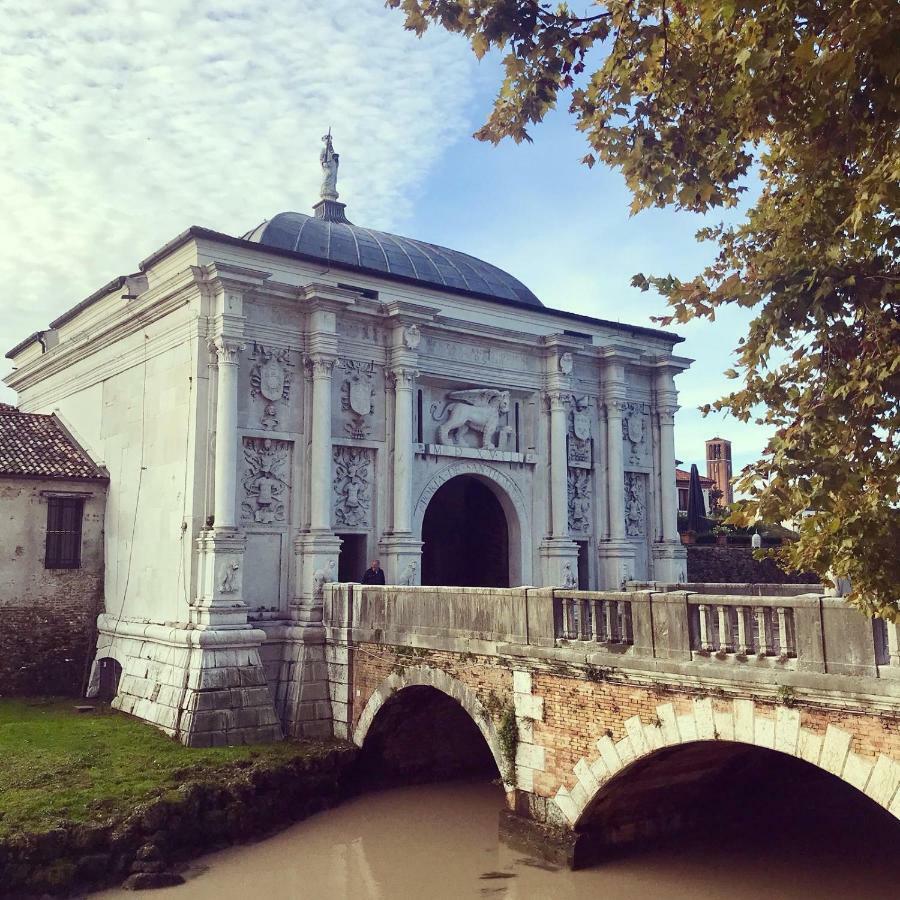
63, 533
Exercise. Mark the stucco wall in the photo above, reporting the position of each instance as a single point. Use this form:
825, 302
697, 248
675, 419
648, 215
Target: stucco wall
47, 616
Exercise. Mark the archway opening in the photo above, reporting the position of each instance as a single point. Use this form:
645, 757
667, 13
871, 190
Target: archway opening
421, 735
716, 800
110, 671
465, 536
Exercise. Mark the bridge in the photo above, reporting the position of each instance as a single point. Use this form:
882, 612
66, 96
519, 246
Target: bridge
613, 717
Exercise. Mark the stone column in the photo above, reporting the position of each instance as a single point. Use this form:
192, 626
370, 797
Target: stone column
615, 470
403, 380
320, 368
669, 556
616, 552
559, 498
225, 505
668, 498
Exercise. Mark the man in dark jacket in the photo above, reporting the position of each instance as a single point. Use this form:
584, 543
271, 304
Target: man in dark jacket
374, 574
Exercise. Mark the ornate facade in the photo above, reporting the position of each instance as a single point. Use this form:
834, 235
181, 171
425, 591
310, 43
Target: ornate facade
266, 404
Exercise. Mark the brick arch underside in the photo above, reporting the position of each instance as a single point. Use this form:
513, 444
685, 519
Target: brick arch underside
741, 724
426, 676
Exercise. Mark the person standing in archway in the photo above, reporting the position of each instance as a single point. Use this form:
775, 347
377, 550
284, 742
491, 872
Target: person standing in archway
374, 574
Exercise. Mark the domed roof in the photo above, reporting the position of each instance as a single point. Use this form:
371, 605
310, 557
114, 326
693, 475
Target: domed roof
332, 239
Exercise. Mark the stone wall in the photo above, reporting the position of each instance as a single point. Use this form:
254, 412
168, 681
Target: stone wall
48, 615
736, 564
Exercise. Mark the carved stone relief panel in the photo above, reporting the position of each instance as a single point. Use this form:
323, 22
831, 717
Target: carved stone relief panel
267, 466
580, 501
580, 444
635, 504
352, 486
475, 417
270, 385
636, 433
357, 397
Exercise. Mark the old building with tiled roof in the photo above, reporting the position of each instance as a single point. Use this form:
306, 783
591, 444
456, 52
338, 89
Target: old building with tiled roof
52, 500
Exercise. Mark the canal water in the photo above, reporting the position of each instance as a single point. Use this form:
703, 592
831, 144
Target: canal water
439, 842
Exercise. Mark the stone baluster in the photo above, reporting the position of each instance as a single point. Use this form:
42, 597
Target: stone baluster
783, 643
320, 367
742, 645
608, 620
227, 353
596, 623
763, 648
724, 628
704, 628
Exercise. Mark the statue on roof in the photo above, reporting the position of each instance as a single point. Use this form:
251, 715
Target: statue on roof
329, 160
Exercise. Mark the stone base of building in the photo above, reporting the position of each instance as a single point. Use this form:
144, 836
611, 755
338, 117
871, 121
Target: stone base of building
300, 680
203, 687
669, 561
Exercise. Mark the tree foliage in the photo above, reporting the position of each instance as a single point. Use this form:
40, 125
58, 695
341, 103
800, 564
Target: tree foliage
686, 98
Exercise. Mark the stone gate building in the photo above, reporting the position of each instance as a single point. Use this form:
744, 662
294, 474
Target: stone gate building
276, 409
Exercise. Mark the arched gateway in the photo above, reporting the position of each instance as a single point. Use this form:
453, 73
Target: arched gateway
472, 521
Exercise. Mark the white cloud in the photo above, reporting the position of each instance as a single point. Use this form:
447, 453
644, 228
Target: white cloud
125, 121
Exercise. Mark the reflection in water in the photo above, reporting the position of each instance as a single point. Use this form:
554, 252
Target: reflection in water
440, 841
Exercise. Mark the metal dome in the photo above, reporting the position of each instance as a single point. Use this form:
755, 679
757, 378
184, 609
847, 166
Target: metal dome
331, 238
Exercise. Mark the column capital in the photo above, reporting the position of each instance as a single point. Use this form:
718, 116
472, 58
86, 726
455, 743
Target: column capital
227, 350
319, 365
557, 399
401, 377
666, 411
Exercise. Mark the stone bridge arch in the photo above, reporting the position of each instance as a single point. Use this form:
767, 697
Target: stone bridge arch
739, 722
426, 676
511, 498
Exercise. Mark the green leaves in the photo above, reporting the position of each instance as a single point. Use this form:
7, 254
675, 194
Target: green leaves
683, 99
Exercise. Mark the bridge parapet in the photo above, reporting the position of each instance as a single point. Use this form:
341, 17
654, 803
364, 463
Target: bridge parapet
734, 634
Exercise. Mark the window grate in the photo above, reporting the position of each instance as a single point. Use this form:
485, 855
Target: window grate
64, 516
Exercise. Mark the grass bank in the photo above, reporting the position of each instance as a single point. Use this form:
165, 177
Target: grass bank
58, 765
89, 799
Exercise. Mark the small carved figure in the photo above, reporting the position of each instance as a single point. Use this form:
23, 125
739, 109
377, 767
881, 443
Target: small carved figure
634, 504
566, 363
228, 577
321, 577
570, 582
408, 578
476, 410
270, 416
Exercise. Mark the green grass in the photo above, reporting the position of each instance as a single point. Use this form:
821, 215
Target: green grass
60, 765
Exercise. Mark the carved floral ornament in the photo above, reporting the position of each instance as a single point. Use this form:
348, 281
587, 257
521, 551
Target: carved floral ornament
352, 486
358, 396
580, 500
265, 480
226, 350
270, 381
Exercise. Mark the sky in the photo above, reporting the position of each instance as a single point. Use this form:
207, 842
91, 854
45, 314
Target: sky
126, 121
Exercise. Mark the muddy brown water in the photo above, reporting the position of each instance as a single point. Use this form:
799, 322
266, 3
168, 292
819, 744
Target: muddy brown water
440, 841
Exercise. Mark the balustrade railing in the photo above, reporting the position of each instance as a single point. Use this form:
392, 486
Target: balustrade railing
724, 628
601, 620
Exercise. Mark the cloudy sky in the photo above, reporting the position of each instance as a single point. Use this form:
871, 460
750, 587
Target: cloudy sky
125, 121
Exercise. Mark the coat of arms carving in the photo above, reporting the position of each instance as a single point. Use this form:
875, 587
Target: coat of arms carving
634, 432
358, 397
580, 455
270, 379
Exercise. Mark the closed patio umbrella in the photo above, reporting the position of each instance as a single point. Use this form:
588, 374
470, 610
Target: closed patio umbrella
696, 511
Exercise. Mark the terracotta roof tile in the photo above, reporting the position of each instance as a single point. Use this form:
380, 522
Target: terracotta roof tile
33, 445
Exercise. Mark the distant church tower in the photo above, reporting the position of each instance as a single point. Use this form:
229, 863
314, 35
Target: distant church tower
718, 467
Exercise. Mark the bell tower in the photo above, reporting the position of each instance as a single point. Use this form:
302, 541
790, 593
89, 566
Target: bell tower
718, 467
